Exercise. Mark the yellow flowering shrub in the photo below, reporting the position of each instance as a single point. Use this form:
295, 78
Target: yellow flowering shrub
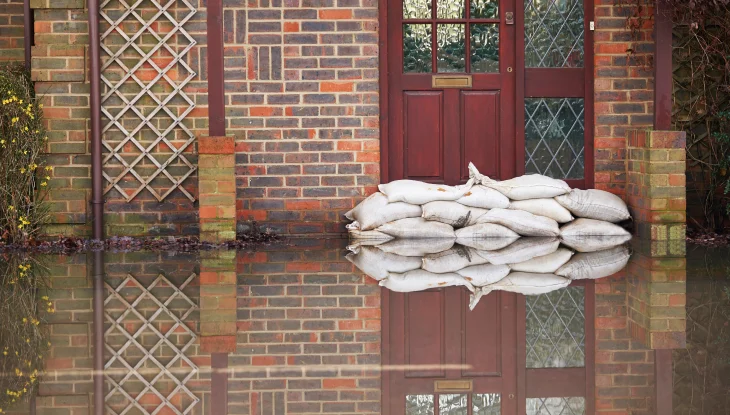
23, 176
24, 303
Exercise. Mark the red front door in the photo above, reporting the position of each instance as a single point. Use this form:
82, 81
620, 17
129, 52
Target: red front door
445, 359
451, 97
512, 354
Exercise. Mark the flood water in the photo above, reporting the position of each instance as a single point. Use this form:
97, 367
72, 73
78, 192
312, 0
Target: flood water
312, 327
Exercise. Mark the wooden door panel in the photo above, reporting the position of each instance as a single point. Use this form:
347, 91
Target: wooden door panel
481, 132
424, 333
423, 134
482, 337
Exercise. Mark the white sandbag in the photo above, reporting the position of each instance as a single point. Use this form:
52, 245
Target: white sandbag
594, 243
530, 283
419, 280
595, 204
377, 264
543, 207
369, 237
485, 274
522, 283
544, 264
420, 193
521, 250
484, 197
454, 259
594, 265
414, 228
417, 247
452, 213
485, 230
531, 186
486, 244
375, 211
591, 227
524, 223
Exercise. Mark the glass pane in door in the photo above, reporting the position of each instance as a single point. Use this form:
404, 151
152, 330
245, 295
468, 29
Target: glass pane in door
555, 329
452, 404
556, 406
450, 9
484, 9
416, 9
554, 33
486, 404
417, 48
555, 137
484, 43
419, 405
451, 47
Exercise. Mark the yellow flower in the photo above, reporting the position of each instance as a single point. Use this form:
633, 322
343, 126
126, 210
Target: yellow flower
22, 170
11, 207
49, 168
44, 184
48, 177
25, 320
45, 297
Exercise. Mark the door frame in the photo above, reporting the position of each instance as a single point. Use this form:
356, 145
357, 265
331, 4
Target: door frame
520, 93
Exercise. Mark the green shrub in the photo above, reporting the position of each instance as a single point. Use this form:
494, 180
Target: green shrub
23, 177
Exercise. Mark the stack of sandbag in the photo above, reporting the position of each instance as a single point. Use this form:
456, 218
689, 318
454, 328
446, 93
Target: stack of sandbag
485, 209
530, 266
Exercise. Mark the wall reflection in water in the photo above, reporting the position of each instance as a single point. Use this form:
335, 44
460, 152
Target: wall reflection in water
299, 329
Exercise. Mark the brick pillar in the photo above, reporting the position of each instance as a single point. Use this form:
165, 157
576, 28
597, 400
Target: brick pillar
656, 190
218, 301
217, 186
657, 295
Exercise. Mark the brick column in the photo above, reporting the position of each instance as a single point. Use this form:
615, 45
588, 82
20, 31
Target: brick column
217, 184
656, 190
657, 295
218, 301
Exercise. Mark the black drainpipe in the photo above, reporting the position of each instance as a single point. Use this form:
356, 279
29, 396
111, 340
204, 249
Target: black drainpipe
97, 197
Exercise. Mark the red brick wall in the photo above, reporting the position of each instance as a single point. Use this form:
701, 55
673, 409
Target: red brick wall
11, 31
304, 109
624, 90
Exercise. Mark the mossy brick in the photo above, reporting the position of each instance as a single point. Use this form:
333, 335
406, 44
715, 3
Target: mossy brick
70, 329
217, 315
659, 180
217, 328
117, 230
48, 63
216, 161
677, 324
676, 167
69, 282
677, 155
219, 236
67, 148
207, 186
658, 324
217, 225
669, 287
218, 200
66, 171
61, 352
218, 290
67, 194
57, 4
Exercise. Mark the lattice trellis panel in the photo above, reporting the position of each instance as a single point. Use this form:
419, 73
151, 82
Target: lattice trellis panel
144, 103
146, 342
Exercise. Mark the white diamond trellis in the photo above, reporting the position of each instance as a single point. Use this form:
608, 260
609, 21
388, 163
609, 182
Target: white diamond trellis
147, 369
144, 74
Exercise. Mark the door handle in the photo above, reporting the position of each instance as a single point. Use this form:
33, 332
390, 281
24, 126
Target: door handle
509, 18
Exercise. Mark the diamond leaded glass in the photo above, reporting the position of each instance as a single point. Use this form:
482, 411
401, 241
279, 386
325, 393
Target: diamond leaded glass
556, 406
555, 137
554, 33
555, 329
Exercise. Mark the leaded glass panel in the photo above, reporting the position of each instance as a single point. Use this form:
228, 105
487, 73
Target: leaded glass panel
416, 9
554, 33
452, 404
555, 329
484, 9
555, 137
417, 48
486, 404
419, 405
450, 9
451, 48
556, 406
484, 48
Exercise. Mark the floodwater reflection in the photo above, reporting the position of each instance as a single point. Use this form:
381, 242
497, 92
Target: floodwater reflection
312, 327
